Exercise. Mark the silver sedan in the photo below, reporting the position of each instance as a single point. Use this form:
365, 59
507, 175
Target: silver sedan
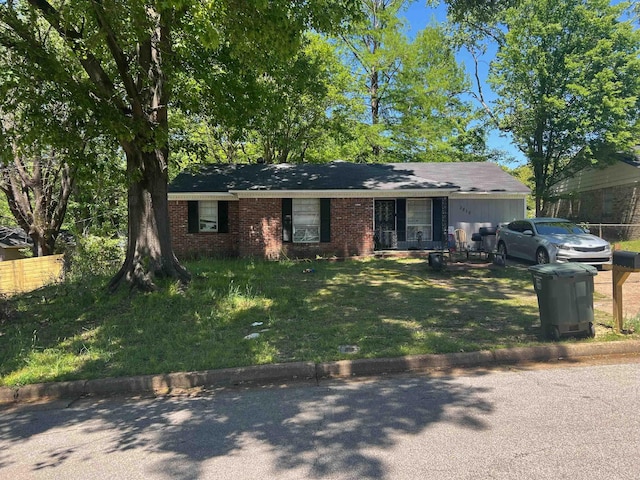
545, 240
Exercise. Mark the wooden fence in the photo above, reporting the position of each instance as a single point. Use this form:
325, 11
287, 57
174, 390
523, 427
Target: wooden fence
18, 276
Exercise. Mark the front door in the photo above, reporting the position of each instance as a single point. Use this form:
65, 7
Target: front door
385, 224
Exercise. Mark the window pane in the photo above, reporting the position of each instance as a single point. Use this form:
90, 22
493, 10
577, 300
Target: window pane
419, 233
306, 219
208, 216
306, 233
419, 226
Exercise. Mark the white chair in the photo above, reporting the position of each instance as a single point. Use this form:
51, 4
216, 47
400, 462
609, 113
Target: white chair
460, 237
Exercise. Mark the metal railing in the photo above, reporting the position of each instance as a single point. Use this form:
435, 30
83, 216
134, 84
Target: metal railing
614, 232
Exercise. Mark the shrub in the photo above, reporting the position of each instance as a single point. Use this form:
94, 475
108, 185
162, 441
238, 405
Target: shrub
95, 256
5, 309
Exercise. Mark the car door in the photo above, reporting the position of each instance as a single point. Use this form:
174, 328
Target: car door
509, 236
528, 243
511, 239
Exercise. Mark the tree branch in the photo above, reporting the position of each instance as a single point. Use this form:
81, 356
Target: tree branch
119, 58
74, 40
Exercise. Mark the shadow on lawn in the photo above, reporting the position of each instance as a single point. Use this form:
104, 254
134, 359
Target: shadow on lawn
385, 307
299, 432
450, 310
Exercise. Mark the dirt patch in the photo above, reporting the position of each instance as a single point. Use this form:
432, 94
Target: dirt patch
603, 288
603, 285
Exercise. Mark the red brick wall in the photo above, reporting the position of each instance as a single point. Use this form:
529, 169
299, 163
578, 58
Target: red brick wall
260, 227
255, 229
209, 244
351, 227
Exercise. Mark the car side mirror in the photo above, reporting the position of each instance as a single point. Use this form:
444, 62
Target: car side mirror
528, 232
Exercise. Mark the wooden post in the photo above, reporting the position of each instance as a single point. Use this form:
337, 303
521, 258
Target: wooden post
619, 275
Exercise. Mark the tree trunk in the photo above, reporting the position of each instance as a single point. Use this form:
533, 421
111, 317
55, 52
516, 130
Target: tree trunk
375, 108
149, 250
37, 192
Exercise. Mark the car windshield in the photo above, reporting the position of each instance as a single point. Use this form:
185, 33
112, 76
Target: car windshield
552, 228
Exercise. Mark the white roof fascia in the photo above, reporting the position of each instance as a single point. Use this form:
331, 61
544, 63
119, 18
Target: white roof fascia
372, 193
188, 196
488, 195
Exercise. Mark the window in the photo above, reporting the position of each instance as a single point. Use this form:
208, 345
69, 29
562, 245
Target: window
419, 220
306, 220
208, 216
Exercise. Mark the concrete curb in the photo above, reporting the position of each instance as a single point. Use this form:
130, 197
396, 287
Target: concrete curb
310, 372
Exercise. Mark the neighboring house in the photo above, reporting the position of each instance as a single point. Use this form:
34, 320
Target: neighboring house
609, 195
340, 208
12, 241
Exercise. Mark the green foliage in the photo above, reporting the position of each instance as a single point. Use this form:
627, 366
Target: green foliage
524, 173
277, 112
94, 256
412, 90
480, 12
6, 309
116, 65
98, 205
568, 83
314, 106
6, 217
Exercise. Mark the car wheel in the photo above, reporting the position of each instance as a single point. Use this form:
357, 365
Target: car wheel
542, 256
502, 250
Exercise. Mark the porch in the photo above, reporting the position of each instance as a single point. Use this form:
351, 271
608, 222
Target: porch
411, 224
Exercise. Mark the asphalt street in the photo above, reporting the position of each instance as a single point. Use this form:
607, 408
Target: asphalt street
560, 421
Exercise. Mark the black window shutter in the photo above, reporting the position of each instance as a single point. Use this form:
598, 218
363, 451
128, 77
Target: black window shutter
325, 219
287, 220
437, 220
193, 220
401, 219
223, 217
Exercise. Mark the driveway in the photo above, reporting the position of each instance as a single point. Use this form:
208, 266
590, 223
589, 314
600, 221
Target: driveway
603, 287
603, 284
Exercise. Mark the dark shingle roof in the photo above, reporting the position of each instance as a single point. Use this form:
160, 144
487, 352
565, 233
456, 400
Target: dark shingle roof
14, 237
460, 177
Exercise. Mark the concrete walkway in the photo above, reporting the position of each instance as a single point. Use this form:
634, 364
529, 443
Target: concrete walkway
312, 372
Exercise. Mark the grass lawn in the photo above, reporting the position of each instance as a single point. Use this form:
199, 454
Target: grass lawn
301, 311
631, 245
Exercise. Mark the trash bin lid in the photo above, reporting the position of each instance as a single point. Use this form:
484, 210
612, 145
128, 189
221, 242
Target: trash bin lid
564, 270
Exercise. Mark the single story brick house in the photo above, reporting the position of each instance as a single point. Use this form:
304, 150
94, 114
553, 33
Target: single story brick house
609, 195
339, 208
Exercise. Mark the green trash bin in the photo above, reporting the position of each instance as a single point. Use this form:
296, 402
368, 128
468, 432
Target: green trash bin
565, 298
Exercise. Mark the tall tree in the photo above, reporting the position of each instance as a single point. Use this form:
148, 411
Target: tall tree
425, 113
568, 82
295, 101
412, 88
43, 143
274, 110
37, 184
127, 52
